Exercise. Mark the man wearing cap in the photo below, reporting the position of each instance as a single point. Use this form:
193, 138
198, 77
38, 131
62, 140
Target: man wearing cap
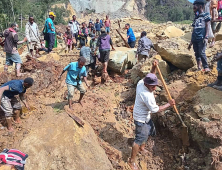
9, 103
200, 34
145, 105
144, 46
50, 31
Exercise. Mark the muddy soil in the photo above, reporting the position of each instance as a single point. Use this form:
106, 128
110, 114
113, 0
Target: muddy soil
108, 109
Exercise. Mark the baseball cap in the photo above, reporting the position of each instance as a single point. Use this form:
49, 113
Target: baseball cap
151, 79
199, 2
29, 81
52, 13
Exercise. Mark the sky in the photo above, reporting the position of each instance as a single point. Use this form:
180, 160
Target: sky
191, 0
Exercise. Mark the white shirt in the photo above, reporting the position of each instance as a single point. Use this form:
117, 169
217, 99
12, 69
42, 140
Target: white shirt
145, 103
32, 32
74, 26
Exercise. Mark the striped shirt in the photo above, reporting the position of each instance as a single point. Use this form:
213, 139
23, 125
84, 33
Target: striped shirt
145, 103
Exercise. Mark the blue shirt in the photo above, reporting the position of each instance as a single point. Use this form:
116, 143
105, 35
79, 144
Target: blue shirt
74, 73
98, 26
47, 21
199, 24
131, 35
15, 87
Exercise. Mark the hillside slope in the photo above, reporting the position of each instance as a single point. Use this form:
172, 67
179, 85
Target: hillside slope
169, 10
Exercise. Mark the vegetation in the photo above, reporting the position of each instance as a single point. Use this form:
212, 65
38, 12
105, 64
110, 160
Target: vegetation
169, 10
12, 10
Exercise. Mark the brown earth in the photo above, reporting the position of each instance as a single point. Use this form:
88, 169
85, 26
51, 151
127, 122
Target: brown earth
108, 110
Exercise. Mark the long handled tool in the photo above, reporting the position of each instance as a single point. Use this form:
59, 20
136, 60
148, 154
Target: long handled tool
184, 131
127, 45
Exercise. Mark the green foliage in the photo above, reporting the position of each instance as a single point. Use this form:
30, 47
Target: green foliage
38, 8
169, 10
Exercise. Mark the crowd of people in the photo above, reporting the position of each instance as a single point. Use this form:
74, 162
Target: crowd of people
99, 48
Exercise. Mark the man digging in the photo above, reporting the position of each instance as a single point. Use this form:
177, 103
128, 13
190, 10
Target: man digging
145, 105
10, 103
75, 71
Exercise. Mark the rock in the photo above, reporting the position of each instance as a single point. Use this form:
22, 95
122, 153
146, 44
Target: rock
179, 91
7, 167
49, 57
175, 51
121, 59
207, 103
140, 70
173, 31
57, 142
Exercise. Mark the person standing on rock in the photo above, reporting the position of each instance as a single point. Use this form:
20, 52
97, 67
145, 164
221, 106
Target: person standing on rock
75, 71
74, 25
33, 36
130, 36
144, 46
107, 24
200, 34
104, 42
9, 103
49, 31
145, 105
10, 47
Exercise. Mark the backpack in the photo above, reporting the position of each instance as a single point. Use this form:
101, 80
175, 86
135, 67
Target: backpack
13, 157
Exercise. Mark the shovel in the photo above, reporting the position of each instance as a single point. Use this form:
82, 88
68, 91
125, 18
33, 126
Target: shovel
184, 130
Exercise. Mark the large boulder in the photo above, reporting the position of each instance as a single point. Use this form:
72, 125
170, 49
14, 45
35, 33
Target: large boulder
207, 103
121, 59
175, 51
140, 70
173, 31
57, 142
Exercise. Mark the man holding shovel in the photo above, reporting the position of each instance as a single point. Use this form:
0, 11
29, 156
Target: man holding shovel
145, 105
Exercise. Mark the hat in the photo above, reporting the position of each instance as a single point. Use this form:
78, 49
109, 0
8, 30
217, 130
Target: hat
198, 2
29, 81
151, 79
52, 13
103, 30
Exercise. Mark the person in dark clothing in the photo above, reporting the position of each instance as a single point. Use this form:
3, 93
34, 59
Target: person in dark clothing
83, 34
9, 103
50, 31
104, 42
10, 47
98, 27
144, 47
200, 34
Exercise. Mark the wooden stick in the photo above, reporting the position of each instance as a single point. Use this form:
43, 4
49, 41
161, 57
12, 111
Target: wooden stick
168, 93
75, 118
127, 45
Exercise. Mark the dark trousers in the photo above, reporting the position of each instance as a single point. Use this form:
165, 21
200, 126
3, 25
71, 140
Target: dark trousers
51, 41
132, 44
199, 48
76, 36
